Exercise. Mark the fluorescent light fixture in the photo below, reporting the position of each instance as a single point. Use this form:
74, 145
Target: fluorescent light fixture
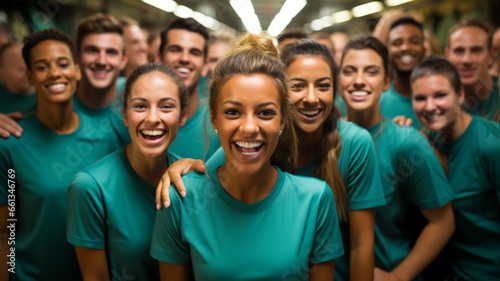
396, 2
341, 16
287, 12
246, 12
183, 12
367, 9
321, 23
165, 5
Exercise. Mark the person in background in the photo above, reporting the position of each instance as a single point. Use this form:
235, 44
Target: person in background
136, 45
154, 41
495, 46
290, 35
339, 40
218, 45
410, 171
471, 147
17, 94
110, 203
248, 219
469, 49
323, 38
431, 44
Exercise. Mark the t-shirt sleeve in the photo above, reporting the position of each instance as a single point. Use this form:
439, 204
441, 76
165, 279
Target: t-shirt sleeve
86, 221
364, 184
167, 243
424, 177
327, 239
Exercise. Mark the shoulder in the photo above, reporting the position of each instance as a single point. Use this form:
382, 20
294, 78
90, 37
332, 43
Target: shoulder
487, 136
307, 185
353, 135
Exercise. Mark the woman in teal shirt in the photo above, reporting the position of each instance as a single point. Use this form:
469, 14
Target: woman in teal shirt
471, 147
248, 219
110, 213
409, 169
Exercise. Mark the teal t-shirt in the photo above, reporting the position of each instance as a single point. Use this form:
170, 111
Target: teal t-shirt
10, 102
111, 207
275, 238
393, 104
360, 173
44, 164
340, 105
474, 175
120, 85
489, 108
410, 171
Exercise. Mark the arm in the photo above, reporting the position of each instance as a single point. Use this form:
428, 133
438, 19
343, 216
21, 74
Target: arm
430, 242
324, 271
361, 234
93, 264
8, 126
173, 272
173, 175
4, 247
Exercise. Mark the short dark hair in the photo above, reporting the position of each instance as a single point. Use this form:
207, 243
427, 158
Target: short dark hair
162, 68
188, 24
407, 20
33, 39
482, 24
294, 32
437, 65
362, 42
97, 24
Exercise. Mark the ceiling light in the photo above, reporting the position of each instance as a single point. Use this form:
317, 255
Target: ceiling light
246, 12
396, 2
367, 9
165, 5
341, 16
287, 12
183, 12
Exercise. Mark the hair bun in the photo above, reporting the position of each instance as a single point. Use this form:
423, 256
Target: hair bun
257, 42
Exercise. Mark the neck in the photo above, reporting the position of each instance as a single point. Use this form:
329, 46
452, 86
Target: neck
26, 92
59, 118
308, 145
148, 168
366, 118
478, 92
193, 103
247, 188
128, 69
402, 83
495, 68
96, 98
457, 128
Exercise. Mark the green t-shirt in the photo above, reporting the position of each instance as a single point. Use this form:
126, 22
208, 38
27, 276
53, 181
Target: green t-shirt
489, 108
393, 104
44, 163
359, 170
474, 175
410, 172
111, 207
275, 238
10, 102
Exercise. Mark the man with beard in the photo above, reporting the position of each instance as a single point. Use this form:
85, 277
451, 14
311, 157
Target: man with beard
469, 49
406, 49
184, 45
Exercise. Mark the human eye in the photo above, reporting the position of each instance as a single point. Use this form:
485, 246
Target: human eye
268, 113
196, 52
324, 86
373, 71
231, 112
459, 51
347, 71
418, 98
139, 106
41, 67
397, 43
442, 95
296, 86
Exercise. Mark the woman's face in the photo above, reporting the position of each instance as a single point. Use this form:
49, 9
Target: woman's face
435, 103
310, 86
362, 79
153, 114
248, 118
53, 72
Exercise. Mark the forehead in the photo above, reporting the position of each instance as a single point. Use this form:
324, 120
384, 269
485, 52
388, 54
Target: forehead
217, 49
185, 38
250, 90
50, 49
155, 85
363, 57
469, 36
309, 66
133, 31
433, 82
103, 40
404, 31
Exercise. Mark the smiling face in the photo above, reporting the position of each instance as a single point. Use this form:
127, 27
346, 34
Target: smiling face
53, 72
101, 59
310, 86
13, 71
405, 46
184, 53
435, 103
215, 52
248, 118
137, 47
362, 79
153, 113
468, 51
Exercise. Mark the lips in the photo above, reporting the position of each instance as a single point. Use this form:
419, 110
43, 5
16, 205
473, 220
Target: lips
467, 72
359, 95
57, 87
249, 150
310, 114
154, 136
183, 72
406, 58
100, 74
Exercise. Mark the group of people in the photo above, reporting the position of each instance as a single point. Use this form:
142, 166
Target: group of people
277, 183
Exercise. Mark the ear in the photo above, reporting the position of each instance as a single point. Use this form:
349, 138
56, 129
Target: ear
124, 60
182, 119
461, 95
387, 81
204, 71
447, 52
213, 120
492, 55
78, 73
30, 77
158, 57
124, 117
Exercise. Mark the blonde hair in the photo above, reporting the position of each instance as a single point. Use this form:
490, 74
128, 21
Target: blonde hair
256, 54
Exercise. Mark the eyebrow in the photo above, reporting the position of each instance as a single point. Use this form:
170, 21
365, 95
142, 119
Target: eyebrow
181, 47
240, 104
44, 60
304, 80
163, 99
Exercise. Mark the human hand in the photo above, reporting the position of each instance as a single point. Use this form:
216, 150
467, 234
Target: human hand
8, 126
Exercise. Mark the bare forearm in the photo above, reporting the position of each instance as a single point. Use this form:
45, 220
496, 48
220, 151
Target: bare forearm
362, 262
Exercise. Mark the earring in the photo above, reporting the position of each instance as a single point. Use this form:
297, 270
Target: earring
281, 132
216, 131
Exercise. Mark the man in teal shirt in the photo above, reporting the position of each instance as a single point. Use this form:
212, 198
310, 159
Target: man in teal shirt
406, 49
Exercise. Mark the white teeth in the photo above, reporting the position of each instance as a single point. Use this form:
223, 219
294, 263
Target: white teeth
248, 144
183, 70
101, 72
249, 153
359, 93
433, 116
153, 132
57, 86
406, 58
311, 113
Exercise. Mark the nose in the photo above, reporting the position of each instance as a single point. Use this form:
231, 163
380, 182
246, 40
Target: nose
101, 59
153, 115
184, 57
430, 104
54, 70
311, 96
249, 125
466, 57
404, 46
359, 81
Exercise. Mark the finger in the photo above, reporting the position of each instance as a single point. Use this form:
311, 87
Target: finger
409, 121
4, 134
158, 194
165, 190
16, 115
9, 125
177, 180
200, 166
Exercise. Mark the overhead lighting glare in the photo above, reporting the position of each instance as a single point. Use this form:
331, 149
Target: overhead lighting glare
287, 12
367, 9
391, 3
342, 16
246, 12
165, 5
183, 12
321, 23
